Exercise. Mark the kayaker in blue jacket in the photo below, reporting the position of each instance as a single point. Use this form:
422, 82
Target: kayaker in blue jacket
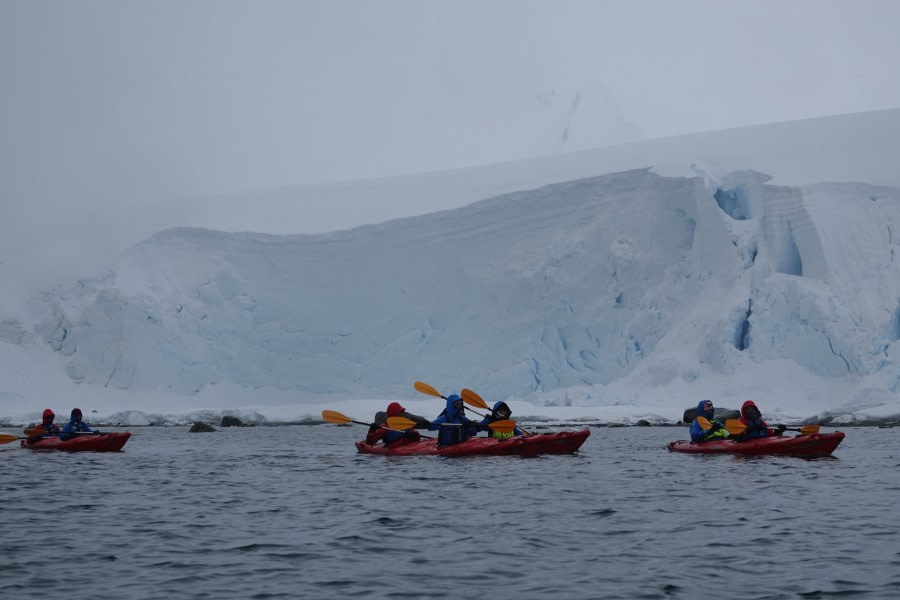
452, 425
74, 426
698, 434
500, 412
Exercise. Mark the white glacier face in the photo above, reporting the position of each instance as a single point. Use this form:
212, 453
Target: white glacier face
582, 285
629, 288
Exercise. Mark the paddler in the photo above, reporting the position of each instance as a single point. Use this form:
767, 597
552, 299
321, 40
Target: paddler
717, 431
452, 425
74, 426
756, 427
47, 426
378, 432
500, 412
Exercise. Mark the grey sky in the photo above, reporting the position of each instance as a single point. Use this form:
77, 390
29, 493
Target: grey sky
115, 102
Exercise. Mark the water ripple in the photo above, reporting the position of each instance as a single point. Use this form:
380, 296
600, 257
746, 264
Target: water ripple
294, 512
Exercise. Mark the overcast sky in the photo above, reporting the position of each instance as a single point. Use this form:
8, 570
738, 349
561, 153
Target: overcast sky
115, 102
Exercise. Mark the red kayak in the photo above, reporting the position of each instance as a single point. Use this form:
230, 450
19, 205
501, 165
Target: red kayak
563, 442
809, 446
88, 442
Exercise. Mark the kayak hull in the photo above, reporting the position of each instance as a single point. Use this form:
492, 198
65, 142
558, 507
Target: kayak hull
809, 446
562, 442
102, 442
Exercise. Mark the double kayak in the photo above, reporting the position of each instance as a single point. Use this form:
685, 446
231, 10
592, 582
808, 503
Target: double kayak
562, 442
89, 442
808, 446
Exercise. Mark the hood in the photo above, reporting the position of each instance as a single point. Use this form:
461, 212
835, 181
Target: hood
501, 405
747, 404
48, 416
700, 407
451, 410
76, 415
394, 409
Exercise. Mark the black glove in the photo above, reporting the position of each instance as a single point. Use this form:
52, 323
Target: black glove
781, 429
715, 427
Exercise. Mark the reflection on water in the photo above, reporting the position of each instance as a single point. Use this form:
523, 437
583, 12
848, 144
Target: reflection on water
294, 512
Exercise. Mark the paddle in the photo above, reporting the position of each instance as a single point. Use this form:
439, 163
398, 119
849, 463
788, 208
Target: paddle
404, 423
332, 416
423, 387
6, 438
735, 427
704, 423
470, 397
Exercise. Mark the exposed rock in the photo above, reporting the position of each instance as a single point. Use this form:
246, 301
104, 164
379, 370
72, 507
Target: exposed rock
199, 427
228, 421
643, 423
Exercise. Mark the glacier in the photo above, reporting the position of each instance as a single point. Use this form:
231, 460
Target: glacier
621, 284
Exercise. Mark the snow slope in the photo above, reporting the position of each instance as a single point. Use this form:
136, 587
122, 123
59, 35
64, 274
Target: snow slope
618, 284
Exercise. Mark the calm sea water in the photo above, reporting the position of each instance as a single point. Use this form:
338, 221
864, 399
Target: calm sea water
295, 512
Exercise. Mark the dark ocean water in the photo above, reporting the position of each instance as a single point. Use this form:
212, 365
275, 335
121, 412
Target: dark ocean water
295, 512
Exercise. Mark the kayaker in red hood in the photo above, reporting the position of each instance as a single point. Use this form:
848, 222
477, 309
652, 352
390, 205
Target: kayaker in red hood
47, 426
380, 432
752, 418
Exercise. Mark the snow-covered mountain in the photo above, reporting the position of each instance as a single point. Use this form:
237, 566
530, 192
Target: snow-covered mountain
624, 283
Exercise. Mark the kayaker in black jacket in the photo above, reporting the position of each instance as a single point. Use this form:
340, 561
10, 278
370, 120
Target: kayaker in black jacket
500, 412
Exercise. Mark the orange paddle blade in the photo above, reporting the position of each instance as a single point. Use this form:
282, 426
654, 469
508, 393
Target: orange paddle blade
505, 426
470, 397
735, 427
704, 423
332, 416
34, 431
809, 429
400, 423
6, 438
423, 387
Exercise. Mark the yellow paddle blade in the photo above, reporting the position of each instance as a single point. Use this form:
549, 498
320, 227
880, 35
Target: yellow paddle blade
423, 387
704, 423
6, 438
400, 423
470, 397
503, 426
333, 416
34, 431
809, 429
735, 427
